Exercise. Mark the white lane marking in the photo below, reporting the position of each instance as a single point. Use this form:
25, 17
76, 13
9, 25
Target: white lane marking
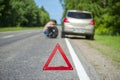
8, 36
80, 69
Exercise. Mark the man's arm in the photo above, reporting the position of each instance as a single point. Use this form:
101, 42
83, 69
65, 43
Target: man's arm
49, 24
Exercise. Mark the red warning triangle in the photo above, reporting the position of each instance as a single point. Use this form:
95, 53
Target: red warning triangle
68, 67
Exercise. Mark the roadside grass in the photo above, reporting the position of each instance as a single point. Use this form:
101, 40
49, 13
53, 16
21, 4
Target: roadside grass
111, 41
19, 28
110, 47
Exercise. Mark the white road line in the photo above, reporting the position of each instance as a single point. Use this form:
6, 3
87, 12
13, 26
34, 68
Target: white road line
80, 69
8, 36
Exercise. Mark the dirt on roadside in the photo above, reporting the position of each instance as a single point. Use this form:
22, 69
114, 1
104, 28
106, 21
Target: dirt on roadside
105, 67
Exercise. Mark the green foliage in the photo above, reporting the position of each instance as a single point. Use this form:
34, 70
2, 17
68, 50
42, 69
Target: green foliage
112, 49
44, 16
21, 13
106, 13
101, 30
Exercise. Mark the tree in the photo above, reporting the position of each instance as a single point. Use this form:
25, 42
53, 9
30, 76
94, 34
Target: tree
5, 12
44, 16
21, 13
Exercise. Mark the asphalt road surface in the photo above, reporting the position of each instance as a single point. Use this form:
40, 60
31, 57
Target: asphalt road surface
23, 55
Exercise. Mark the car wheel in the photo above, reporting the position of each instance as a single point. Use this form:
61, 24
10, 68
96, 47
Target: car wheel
91, 37
62, 34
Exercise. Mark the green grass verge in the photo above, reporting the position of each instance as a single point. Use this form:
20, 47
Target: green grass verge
112, 49
19, 28
111, 41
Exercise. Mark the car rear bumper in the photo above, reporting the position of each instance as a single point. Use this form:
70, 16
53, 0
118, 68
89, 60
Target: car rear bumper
82, 34
79, 31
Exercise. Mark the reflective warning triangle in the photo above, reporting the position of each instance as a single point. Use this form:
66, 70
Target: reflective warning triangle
47, 67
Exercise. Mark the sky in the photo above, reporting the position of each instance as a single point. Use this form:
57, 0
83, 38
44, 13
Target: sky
53, 7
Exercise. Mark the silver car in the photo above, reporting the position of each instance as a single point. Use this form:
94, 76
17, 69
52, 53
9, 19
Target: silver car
78, 22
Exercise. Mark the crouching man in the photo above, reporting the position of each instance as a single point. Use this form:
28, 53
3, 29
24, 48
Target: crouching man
50, 29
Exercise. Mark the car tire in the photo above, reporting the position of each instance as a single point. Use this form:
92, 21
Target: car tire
90, 37
53, 32
62, 34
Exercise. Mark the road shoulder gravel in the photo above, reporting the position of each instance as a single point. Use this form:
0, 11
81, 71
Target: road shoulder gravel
105, 67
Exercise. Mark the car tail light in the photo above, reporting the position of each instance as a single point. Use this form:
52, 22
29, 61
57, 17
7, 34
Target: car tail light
92, 22
65, 20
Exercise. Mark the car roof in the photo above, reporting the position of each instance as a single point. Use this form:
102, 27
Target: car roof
78, 11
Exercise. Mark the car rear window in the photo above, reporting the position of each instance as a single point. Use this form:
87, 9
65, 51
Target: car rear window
79, 15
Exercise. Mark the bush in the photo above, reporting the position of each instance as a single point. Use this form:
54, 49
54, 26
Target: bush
103, 30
